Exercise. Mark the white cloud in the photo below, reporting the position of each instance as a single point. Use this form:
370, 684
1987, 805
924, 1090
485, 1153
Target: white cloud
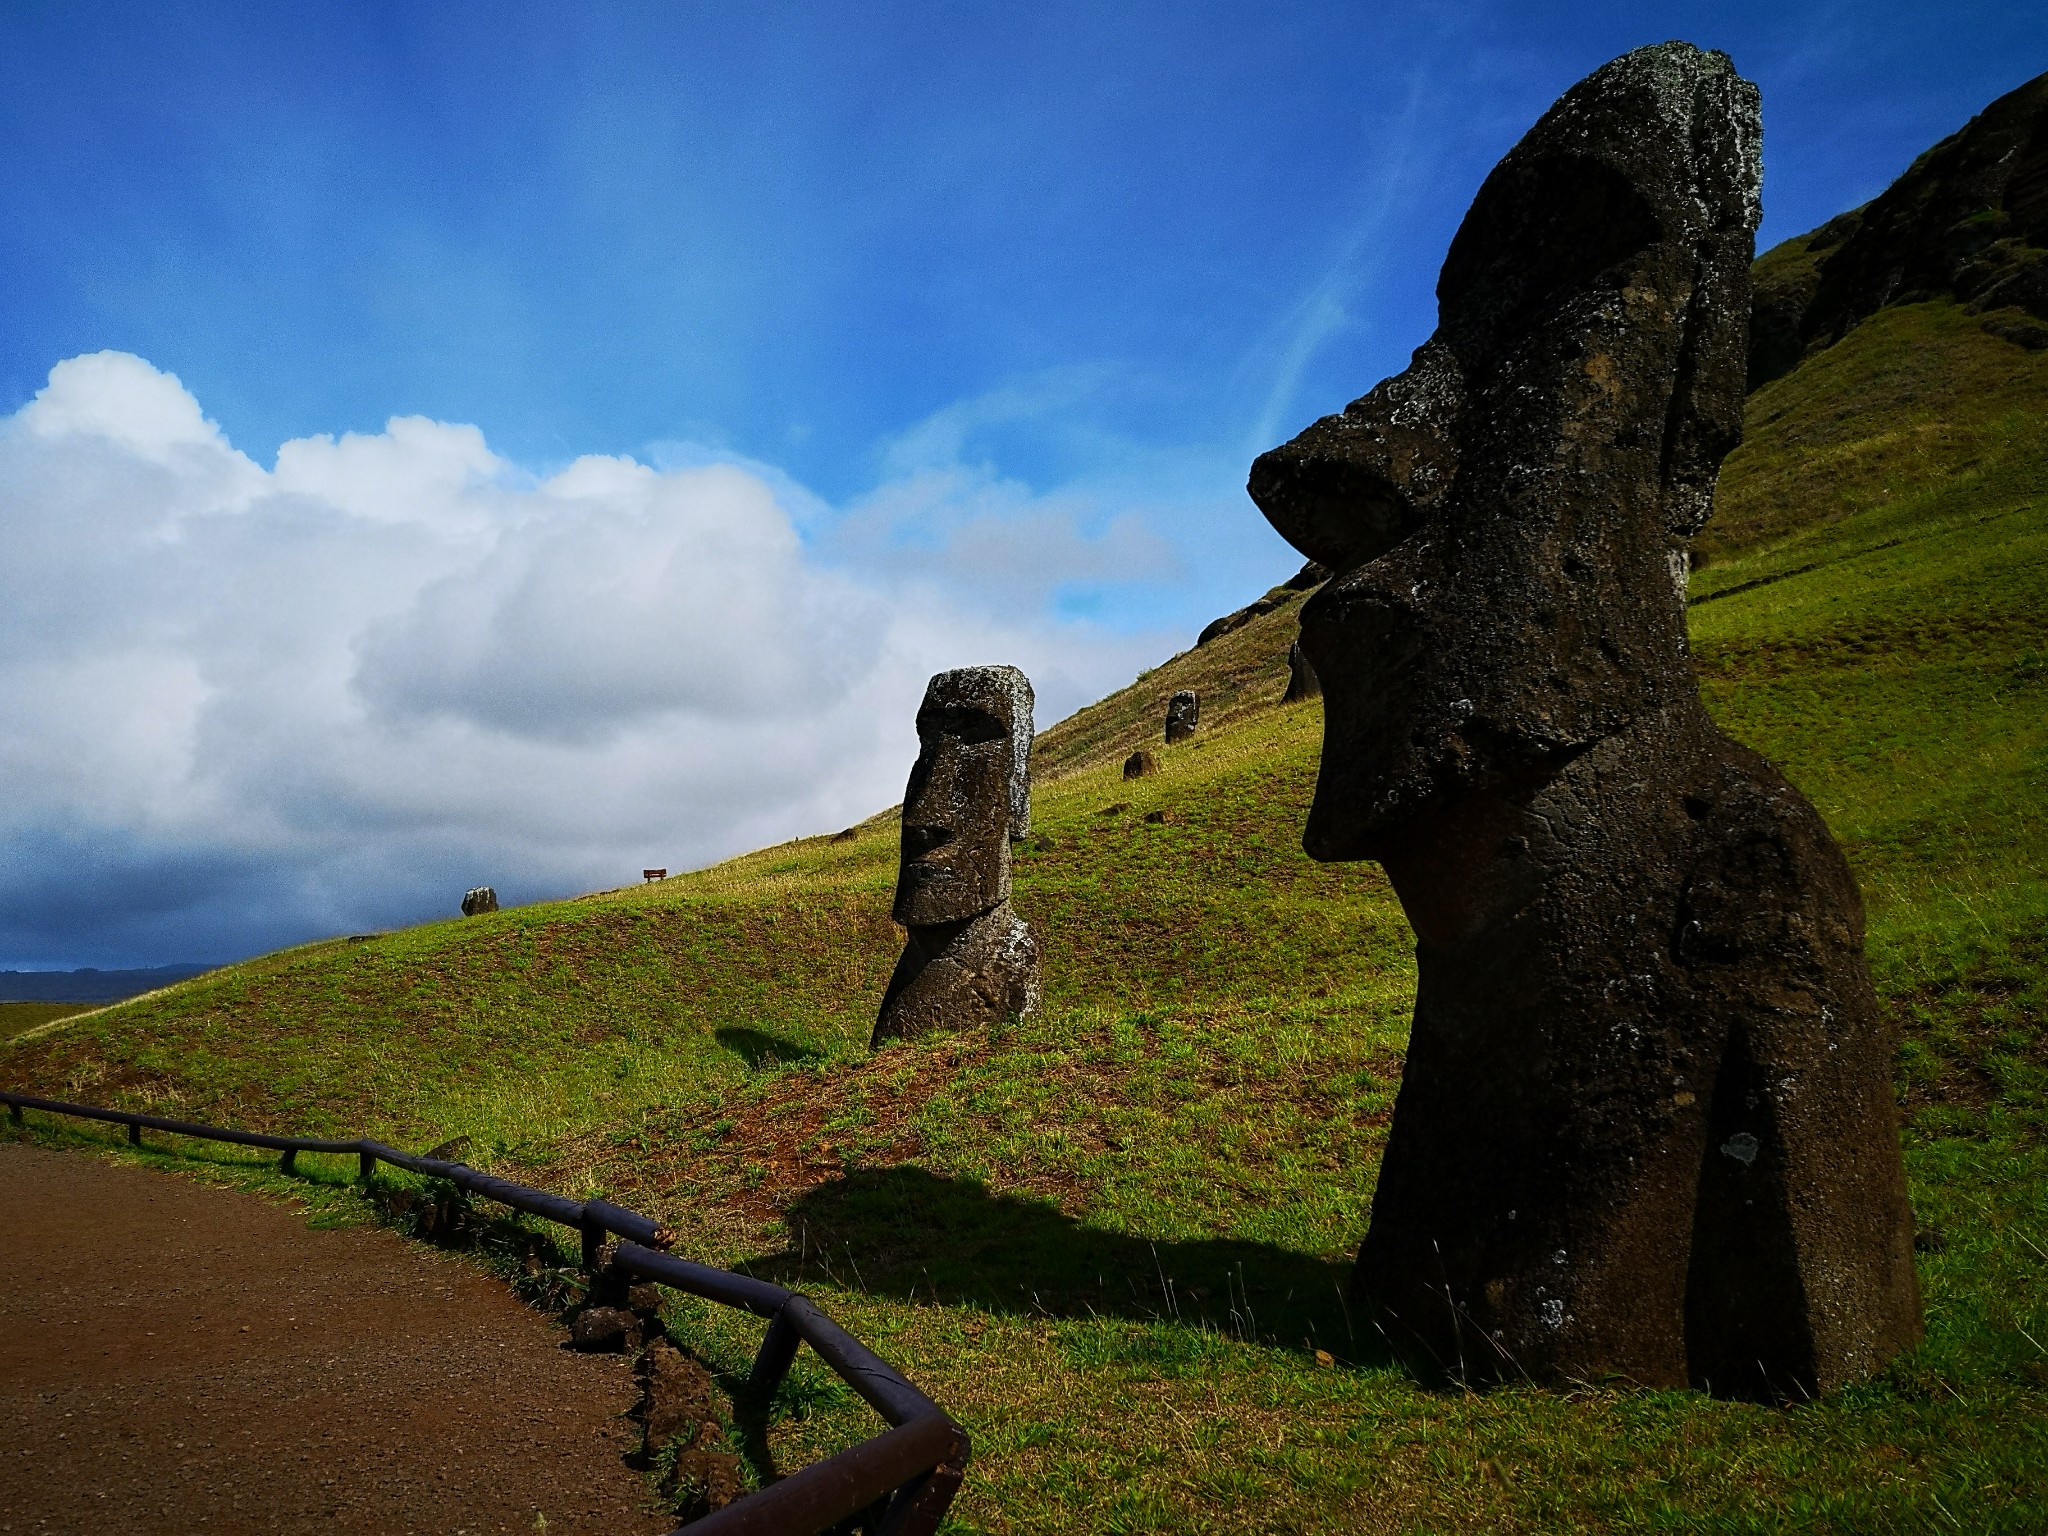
249, 706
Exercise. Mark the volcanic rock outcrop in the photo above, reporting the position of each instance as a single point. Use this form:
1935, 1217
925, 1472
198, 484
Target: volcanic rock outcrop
1968, 219
968, 959
1646, 1126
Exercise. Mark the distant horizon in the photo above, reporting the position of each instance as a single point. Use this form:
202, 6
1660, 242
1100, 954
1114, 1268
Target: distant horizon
489, 446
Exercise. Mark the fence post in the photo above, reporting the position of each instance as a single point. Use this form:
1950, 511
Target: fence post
14, 1113
289, 1163
593, 1242
778, 1350
366, 1164
919, 1505
134, 1134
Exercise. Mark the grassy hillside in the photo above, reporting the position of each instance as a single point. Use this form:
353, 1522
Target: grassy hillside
1113, 1236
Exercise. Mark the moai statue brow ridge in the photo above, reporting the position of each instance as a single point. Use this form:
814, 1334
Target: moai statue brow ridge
1646, 1127
968, 959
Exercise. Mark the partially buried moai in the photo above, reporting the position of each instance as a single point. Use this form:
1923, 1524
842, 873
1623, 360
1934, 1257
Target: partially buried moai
1646, 1127
968, 959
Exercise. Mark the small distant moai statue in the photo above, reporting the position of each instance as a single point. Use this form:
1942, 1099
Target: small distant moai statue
482, 899
1646, 1127
968, 959
1183, 713
1140, 764
1301, 677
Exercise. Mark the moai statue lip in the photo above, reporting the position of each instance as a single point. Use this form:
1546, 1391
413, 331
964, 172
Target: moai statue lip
969, 795
1646, 1126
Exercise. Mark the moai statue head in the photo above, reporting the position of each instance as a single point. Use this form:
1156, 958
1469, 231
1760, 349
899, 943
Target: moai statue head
969, 795
1183, 714
1507, 519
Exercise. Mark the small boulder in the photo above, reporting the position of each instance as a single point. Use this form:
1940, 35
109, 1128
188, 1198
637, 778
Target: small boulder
482, 899
1183, 713
706, 1477
1140, 764
644, 1299
605, 1330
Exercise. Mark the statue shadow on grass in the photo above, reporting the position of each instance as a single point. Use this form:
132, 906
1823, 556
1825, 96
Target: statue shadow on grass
758, 1048
907, 1232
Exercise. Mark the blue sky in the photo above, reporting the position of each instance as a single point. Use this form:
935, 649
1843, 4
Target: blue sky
963, 285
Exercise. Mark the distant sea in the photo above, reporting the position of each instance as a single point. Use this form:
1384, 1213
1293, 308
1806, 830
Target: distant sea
88, 985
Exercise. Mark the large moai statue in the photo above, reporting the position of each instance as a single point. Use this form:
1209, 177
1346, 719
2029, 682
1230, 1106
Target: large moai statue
967, 958
1646, 1127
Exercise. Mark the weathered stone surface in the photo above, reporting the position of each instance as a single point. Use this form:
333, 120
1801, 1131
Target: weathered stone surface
1140, 764
967, 958
705, 1477
1301, 677
1183, 714
1646, 1126
680, 1397
605, 1328
964, 975
482, 899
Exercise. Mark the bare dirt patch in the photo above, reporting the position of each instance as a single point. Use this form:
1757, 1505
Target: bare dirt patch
177, 1357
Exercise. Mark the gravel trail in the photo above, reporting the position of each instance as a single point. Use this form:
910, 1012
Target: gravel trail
176, 1357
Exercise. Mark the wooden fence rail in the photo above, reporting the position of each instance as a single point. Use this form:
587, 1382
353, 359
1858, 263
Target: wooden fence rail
916, 1464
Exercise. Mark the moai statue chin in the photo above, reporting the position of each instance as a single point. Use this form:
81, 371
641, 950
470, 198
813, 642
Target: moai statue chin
968, 959
1646, 1128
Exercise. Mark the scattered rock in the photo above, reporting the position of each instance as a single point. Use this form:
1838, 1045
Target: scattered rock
481, 899
1155, 818
1115, 808
968, 959
2019, 330
1183, 713
680, 1398
1638, 946
644, 1299
1140, 764
847, 836
706, 1477
605, 1330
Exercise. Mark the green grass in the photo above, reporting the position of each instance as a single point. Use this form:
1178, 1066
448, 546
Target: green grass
1112, 1237
17, 1018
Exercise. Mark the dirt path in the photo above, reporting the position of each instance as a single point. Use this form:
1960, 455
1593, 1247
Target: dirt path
215, 1365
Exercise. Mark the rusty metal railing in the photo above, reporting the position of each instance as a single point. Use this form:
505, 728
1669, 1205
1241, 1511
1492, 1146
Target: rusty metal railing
916, 1465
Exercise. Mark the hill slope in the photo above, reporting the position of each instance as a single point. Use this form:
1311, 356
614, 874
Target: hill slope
1112, 1236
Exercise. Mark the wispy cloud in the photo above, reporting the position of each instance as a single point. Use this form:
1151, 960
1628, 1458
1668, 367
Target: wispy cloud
1337, 300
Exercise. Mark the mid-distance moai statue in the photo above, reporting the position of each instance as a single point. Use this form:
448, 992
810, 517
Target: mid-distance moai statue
968, 959
1646, 1127
1183, 714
